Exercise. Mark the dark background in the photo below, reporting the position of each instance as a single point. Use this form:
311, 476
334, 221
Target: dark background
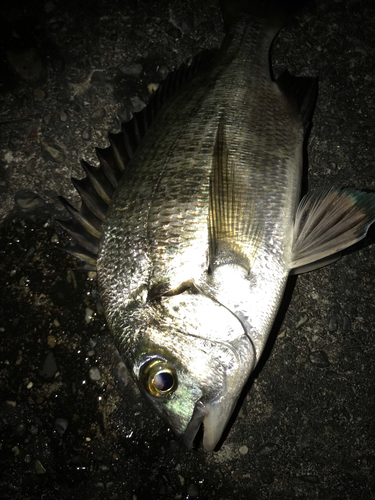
72, 424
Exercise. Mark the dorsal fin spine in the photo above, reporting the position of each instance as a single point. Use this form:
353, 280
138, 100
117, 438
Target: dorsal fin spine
97, 188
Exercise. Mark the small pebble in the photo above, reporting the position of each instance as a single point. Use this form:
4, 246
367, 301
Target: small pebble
152, 87
132, 70
27, 63
346, 324
53, 151
244, 450
30, 166
28, 201
137, 103
51, 341
89, 314
61, 425
29, 385
98, 115
49, 367
302, 320
266, 448
34, 430
86, 134
20, 429
333, 324
39, 467
94, 373
309, 478
193, 491
319, 358
16, 450
63, 116
39, 94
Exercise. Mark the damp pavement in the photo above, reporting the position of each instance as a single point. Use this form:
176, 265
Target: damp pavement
72, 424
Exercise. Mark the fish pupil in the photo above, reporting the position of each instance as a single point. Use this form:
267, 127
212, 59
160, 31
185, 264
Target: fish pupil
163, 381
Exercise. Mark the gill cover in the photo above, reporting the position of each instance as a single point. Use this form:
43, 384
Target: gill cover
194, 356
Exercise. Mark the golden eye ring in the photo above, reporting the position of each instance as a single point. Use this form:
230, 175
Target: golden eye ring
159, 378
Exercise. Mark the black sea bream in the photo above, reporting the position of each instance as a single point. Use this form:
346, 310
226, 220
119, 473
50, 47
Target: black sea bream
205, 223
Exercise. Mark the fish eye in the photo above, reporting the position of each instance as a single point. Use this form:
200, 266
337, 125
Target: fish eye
159, 378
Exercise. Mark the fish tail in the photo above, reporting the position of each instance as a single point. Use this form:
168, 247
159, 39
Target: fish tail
275, 13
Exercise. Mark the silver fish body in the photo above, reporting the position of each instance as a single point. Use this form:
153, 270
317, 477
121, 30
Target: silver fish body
194, 225
158, 234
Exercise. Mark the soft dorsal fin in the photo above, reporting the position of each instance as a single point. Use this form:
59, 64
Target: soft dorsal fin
328, 221
234, 236
97, 188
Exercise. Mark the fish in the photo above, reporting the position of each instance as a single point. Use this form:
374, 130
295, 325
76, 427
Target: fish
194, 221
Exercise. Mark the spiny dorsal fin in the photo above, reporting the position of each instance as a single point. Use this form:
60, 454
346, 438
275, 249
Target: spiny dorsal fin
328, 221
234, 236
96, 190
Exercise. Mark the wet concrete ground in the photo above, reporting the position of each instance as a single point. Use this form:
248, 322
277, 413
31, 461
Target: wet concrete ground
72, 423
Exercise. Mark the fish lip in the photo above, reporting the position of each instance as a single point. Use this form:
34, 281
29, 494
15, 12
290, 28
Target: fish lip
194, 425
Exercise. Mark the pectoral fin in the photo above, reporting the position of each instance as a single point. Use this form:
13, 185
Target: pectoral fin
328, 221
234, 234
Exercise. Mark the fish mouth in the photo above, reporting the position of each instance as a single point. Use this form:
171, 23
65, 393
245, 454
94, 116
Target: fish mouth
214, 416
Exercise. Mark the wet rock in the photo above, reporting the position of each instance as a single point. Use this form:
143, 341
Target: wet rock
319, 358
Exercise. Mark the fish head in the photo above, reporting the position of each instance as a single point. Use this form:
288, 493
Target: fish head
191, 360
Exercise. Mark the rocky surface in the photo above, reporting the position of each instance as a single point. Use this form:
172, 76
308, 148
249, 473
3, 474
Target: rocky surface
72, 424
